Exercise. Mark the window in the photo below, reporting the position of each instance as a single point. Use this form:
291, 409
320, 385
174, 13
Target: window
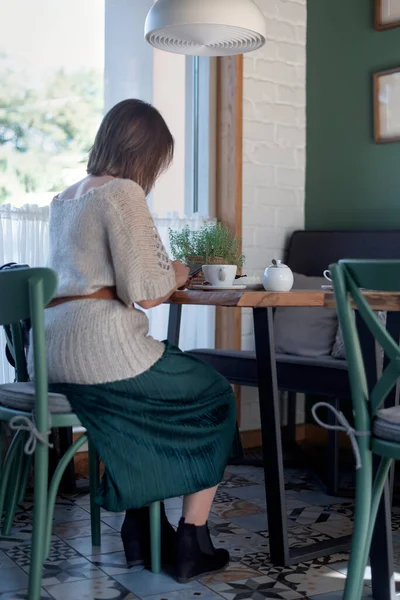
61, 71
200, 151
51, 98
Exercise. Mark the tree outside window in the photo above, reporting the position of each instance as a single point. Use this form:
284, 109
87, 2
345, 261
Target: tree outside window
50, 106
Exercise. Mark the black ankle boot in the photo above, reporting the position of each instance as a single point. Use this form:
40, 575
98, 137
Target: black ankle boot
135, 534
196, 555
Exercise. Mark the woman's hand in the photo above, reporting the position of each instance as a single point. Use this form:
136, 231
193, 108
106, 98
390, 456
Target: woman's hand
182, 280
181, 274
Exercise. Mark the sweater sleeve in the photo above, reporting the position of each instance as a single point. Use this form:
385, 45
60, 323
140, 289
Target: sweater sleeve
142, 268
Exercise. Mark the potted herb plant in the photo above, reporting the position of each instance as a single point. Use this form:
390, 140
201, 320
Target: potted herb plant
213, 244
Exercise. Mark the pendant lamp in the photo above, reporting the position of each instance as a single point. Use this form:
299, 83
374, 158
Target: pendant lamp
206, 27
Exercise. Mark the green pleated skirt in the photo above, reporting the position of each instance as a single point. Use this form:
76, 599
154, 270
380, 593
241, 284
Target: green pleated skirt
167, 432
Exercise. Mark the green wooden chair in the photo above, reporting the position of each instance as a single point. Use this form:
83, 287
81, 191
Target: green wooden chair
29, 409
376, 430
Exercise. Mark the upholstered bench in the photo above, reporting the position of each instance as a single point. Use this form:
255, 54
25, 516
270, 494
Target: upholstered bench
295, 373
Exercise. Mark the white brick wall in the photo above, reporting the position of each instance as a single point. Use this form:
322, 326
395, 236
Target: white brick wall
273, 150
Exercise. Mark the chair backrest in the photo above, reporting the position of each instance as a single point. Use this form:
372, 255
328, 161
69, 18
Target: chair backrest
15, 350
16, 336
24, 293
349, 276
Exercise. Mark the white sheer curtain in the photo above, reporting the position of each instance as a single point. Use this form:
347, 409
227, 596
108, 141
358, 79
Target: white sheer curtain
24, 239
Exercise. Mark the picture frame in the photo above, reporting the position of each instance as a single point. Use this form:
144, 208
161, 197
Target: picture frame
387, 14
386, 86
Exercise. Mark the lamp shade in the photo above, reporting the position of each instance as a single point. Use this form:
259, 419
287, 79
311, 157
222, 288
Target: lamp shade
206, 27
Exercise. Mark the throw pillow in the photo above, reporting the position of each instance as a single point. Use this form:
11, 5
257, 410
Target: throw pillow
305, 331
338, 350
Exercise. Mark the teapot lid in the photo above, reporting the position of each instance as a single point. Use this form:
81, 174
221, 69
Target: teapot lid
278, 264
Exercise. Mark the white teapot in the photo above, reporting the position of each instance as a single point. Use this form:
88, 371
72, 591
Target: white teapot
278, 277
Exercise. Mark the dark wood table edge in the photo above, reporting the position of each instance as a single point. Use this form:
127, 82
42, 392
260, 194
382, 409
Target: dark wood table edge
385, 301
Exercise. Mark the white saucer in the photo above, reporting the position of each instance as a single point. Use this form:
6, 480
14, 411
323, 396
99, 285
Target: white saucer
217, 288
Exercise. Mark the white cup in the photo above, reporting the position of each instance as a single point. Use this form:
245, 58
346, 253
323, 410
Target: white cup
220, 275
327, 275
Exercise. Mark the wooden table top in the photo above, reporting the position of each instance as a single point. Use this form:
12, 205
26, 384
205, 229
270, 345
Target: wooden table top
388, 301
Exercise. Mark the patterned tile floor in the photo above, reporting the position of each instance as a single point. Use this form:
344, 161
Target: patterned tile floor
76, 571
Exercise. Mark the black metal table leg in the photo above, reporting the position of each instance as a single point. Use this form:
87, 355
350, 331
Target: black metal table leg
174, 323
271, 435
272, 452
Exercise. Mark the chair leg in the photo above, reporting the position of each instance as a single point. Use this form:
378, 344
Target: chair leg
155, 537
333, 454
377, 491
14, 487
94, 480
39, 521
24, 478
54, 485
355, 575
292, 407
5, 473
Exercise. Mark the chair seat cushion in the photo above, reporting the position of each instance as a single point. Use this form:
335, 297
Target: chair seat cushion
21, 396
387, 424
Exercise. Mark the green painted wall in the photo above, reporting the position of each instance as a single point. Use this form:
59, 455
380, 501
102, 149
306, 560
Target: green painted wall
351, 183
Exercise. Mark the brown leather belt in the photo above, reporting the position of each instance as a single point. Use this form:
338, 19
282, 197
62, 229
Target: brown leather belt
105, 293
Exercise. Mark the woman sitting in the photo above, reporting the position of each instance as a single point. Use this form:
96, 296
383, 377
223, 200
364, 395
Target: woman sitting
163, 423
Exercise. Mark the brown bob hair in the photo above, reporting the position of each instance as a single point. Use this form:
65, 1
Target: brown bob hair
133, 142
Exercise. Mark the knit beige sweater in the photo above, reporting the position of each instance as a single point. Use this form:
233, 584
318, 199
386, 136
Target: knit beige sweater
106, 237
